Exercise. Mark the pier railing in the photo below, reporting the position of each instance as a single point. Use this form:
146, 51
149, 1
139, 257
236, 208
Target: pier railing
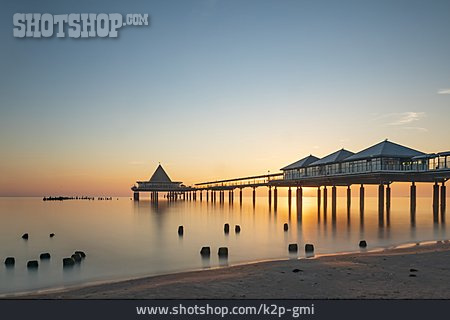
251, 181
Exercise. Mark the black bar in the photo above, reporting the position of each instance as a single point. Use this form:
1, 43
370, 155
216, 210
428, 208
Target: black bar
215, 309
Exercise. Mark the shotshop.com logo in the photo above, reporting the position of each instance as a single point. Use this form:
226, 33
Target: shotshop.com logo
73, 25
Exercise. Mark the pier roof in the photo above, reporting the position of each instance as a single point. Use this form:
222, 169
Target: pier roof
385, 149
334, 157
302, 163
160, 176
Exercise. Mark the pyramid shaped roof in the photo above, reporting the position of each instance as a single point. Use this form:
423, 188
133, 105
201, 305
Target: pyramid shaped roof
301, 163
337, 156
160, 176
385, 149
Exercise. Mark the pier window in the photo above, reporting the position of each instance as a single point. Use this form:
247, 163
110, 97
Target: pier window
390, 164
302, 172
368, 165
442, 162
376, 164
433, 163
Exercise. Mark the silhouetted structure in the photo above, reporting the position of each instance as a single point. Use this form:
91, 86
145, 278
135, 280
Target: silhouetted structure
160, 182
381, 164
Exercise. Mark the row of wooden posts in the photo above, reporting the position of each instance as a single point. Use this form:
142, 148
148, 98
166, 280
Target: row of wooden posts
384, 197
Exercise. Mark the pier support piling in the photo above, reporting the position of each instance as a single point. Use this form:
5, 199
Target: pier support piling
254, 196
136, 196
436, 202
325, 200
412, 200
275, 198
443, 199
349, 199
388, 199
333, 201
240, 196
289, 197
381, 204
361, 199
318, 198
270, 197
299, 198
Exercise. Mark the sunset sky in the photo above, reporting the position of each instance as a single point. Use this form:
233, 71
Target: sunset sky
217, 89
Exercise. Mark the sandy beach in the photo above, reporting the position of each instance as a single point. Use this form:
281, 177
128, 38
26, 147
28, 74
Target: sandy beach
418, 271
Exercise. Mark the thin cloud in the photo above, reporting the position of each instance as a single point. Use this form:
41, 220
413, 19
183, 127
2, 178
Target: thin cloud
406, 118
444, 91
416, 128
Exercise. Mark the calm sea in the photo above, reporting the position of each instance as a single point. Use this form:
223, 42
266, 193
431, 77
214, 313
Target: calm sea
125, 239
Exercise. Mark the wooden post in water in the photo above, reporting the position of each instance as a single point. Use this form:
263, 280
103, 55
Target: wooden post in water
436, 202
318, 198
240, 196
254, 196
443, 201
325, 199
299, 198
275, 198
381, 204
388, 198
270, 197
361, 199
412, 203
349, 199
333, 202
289, 197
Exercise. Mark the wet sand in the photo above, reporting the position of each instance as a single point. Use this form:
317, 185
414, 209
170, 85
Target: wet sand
420, 271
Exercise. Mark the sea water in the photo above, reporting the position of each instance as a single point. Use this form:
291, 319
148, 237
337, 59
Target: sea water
124, 239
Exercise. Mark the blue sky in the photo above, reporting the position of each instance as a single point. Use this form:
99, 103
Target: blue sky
214, 89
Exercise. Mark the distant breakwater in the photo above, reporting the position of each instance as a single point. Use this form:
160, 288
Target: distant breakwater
62, 198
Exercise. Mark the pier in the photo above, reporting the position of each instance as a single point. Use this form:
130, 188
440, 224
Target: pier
381, 164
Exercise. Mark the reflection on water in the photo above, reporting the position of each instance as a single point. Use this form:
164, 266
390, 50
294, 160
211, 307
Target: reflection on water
123, 238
